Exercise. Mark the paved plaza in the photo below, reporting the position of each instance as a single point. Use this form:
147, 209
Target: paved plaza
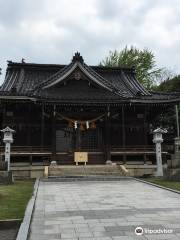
106, 210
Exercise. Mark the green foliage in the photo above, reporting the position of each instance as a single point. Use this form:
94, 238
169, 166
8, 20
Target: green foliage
172, 85
143, 61
165, 183
14, 198
168, 118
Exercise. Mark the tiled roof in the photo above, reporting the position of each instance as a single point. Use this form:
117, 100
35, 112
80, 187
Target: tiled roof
116, 84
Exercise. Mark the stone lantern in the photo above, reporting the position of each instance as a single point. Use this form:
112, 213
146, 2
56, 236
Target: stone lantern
157, 139
8, 139
177, 144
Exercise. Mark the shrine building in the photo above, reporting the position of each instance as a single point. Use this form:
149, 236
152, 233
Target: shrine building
57, 110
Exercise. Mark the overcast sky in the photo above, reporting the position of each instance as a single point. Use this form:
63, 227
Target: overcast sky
50, 31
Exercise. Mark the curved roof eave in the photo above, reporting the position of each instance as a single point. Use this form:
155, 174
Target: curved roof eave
75, 65
88, 71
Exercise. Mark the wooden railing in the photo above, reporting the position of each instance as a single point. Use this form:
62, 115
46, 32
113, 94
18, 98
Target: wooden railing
47, 150
134, 148
27, 149
138, 148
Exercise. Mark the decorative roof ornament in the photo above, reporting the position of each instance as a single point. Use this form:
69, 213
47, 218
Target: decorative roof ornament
77, 58
77, 75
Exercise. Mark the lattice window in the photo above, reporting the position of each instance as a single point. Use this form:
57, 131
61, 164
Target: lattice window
91, 139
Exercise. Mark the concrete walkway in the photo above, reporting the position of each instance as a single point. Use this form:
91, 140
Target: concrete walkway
104, 211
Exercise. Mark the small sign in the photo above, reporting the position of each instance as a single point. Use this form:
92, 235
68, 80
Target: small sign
81, 157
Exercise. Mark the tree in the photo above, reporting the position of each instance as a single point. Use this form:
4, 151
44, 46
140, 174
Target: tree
143, 61
170, 85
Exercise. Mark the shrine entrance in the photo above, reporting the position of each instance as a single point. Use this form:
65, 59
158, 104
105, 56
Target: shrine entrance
78, 133
71, 140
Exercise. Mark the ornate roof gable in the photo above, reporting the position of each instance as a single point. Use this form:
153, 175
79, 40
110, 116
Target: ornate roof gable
78, 63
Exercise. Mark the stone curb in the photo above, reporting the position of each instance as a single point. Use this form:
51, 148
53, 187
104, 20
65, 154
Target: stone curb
10, 223
156, 185
23, 232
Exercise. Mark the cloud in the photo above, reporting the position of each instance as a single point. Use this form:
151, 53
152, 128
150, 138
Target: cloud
46, 31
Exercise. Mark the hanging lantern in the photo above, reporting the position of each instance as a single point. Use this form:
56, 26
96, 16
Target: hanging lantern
93, 125
70, 124
75, 124
82, 127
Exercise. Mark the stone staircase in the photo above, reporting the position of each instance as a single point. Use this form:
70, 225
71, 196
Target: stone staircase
86, 171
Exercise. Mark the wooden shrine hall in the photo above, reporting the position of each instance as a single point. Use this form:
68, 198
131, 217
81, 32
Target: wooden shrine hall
57, 110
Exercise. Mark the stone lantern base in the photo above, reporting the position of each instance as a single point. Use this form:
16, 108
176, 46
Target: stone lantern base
173, 171
173, 174
6, 177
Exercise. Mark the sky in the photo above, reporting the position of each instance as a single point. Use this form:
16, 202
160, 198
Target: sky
51, 31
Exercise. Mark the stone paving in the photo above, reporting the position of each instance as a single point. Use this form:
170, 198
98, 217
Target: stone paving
104, 211
8, 234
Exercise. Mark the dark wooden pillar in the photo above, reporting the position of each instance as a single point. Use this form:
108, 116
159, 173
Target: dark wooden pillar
108, 137
29, 126
4, 115
145, 132
145, 123
78, 139
54, 133
2, 126
42, 126
123, 133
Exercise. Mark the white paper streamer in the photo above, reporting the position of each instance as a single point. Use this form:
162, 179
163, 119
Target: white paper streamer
75, 124
87, 124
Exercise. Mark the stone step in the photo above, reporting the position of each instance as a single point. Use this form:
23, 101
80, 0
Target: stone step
84, 178
86, 170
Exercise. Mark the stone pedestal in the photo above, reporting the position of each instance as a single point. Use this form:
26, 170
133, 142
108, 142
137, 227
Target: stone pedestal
173, 172
159, 172
109, 162
6, 177
176, 155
